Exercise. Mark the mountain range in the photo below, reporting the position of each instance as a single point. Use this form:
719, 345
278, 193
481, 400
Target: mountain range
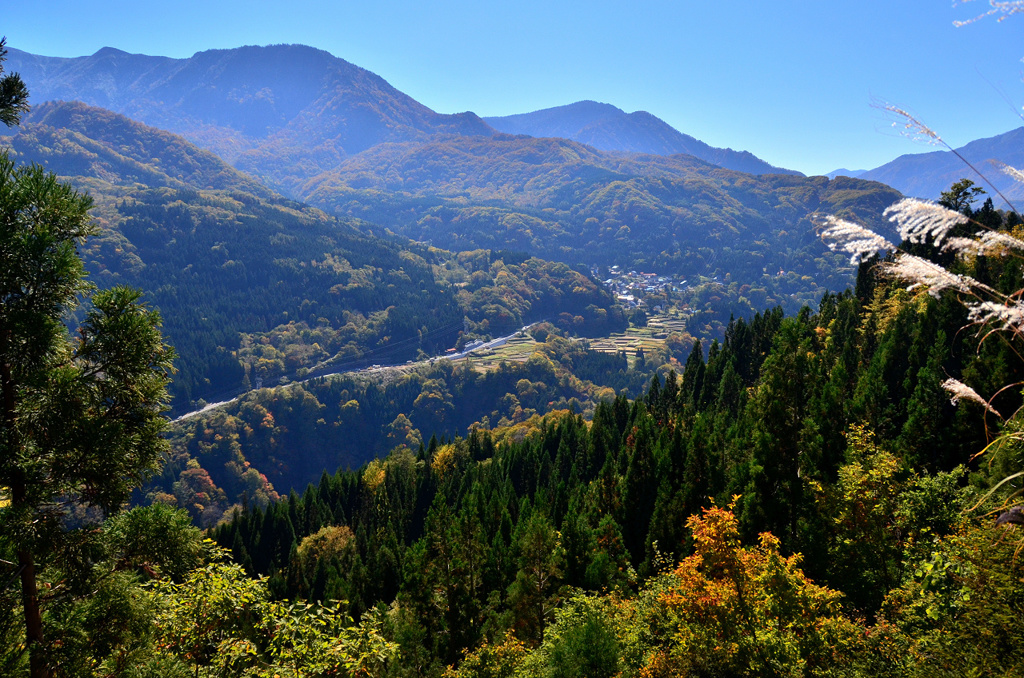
629, 189
608, 128
282, 113
926, 175
321, 129
252, 104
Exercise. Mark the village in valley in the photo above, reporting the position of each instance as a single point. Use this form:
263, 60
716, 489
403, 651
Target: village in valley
635, 289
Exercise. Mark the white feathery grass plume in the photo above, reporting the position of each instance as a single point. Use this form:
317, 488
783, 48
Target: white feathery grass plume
986, 242
855, 240
991, 240
910, 126
962, 391
921, 220
1005, 8
963, 246
921, 272
1009, 171
1011, 315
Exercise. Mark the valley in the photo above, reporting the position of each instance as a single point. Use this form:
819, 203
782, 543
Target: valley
561, 393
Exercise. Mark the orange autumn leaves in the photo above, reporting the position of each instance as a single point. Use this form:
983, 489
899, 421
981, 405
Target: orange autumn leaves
726, 610
729, 608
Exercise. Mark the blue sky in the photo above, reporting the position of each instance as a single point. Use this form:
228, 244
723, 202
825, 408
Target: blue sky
792, 81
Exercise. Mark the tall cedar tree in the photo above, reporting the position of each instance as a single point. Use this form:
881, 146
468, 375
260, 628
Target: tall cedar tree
81, 418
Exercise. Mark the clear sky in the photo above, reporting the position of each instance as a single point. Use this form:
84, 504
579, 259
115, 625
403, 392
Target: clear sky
792, 81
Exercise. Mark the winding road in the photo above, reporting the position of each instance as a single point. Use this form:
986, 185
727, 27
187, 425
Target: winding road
375, 368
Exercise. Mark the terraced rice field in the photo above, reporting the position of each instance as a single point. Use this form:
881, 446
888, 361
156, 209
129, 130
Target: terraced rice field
664, 324
628, 341
648, 338
520, 347
516, 349
652, 337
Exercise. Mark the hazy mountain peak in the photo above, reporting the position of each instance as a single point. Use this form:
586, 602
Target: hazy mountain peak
926, 175
843, 172
559, 121
596, 110
608, 128
109, 51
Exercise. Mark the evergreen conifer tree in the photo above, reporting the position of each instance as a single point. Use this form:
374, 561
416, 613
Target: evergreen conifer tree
80, 418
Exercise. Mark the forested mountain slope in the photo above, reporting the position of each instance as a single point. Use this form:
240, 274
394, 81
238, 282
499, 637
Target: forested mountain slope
74, 139
608, 128
285, 438
251, 284
564, 200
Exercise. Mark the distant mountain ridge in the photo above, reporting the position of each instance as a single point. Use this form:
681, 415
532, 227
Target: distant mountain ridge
926, 175
286, 113
283, 113
608, 128
843, 172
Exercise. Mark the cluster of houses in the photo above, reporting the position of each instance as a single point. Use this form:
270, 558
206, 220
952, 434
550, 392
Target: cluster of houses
631, 287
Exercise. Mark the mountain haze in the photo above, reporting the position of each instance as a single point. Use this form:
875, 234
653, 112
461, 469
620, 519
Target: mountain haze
608, 128
281, 112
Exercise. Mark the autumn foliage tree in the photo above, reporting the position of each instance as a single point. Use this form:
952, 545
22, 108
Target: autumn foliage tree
730, 609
